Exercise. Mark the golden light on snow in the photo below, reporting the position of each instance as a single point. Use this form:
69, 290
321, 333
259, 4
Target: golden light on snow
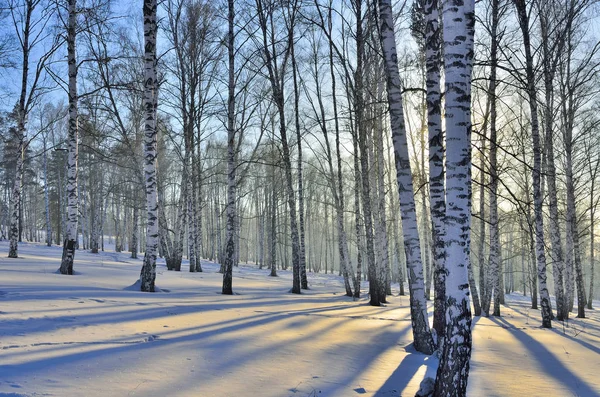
91, 335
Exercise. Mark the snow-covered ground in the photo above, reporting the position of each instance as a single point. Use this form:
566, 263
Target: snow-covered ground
92, 335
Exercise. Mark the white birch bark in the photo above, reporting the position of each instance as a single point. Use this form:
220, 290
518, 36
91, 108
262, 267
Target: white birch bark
423, 340
557, 255
437, 203
458, 37
148, 273
47, 199
573, 249
231, 166
133, 246
13, 251
197, 209
495, 252
335, 181
537, 167
273, 235
302, 246
379, 218
191, 242
373, 197
276, 74
70, 242
357, 218
85, 222
361, 131
384, 263
96, 221
592, 255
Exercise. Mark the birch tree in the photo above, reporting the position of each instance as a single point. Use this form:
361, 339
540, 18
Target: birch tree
523, 18
495, 258
276, 61
231, 166
458, 35
437, 202
148, 273
552, 43
30, 21
334, 179
423, 340
70, 243
577, 80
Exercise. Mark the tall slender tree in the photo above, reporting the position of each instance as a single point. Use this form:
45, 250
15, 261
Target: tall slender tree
418, 306
523, 18
437, 201
70, 243
276, 61
231, 166
31, 28
148, 273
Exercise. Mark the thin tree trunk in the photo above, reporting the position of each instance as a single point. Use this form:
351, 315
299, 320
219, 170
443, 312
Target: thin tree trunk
398, 253
495, 259
47, 199
276, 81
273, 234
302, 252
423, 340
15, 217
334, 179
357, 216
573, 245
523, 18
360, 127
133, 246
231, 182
592, 248
381, 224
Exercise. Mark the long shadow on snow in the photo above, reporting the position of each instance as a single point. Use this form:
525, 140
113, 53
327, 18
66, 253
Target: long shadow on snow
548, 361
409, 366
407, 369
571, 323
135, 312
578, 340
366, 351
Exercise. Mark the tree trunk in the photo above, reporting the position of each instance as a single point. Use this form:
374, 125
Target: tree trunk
273, 234
148, 273
383, 248
423, 340
133, 246
302, 252
458, 33
335, 181
357, 215
15, 217
47, 199
495, 258
592, 249
68, 256
231, 182
523, 18
277, 79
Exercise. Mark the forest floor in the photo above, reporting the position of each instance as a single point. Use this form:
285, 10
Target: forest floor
92, 334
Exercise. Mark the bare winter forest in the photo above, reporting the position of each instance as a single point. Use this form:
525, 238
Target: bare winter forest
299, 197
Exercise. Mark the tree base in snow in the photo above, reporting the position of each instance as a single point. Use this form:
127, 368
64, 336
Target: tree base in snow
68, 256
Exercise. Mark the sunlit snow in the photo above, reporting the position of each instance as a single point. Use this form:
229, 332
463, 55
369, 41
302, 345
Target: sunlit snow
91, 334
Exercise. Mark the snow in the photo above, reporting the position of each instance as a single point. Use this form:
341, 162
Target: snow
93, 334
